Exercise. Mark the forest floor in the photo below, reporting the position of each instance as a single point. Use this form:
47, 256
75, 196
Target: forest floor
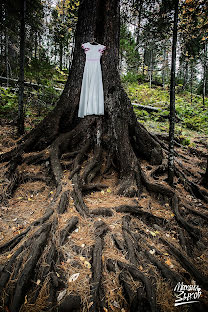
31, 199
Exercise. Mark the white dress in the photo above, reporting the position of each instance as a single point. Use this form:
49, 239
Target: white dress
91, 97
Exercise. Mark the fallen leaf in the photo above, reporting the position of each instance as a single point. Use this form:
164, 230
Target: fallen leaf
38, 282
203, 257
87, 264
169, 263
115, 304
108, 190
61, 295
152, 233
73, 277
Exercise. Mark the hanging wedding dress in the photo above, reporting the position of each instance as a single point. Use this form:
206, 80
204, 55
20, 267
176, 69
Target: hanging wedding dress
91, 97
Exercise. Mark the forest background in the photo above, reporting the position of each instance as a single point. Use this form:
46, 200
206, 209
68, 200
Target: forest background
145, 59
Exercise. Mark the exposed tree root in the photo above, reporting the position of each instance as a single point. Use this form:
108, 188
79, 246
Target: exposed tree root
96, 291
203, 280
138, 212
23, 281
63, 203
77, 196
193, 231
32, 257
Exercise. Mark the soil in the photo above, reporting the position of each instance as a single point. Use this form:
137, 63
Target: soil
31, 199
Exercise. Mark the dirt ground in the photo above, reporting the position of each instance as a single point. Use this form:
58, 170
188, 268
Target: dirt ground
31, 199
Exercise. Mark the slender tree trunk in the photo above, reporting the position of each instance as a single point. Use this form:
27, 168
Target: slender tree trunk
60, 55
151, 68
7, 55
164, 65
204, 74
143, 63
192, 71
139, 8
172, 99
36, 44
20, 124
185, 75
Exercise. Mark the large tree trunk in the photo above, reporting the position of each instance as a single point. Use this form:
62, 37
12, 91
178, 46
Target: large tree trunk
121, 135
33, 274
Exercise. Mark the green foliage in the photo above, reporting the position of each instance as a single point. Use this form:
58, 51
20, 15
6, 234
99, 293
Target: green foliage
192, 115
130, 77
128, 49
184, 140
41, 101
142, 114
8, 101
40, 70
62, 25
142, 94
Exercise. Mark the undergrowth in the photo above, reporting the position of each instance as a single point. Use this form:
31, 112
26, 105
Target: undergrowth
191, 115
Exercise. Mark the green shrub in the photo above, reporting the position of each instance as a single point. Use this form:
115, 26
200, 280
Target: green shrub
130, 77
8, 101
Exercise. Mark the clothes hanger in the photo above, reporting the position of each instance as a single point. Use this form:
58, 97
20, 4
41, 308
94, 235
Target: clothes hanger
93, 41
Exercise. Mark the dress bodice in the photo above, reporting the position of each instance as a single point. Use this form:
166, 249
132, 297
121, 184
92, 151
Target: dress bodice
93, 51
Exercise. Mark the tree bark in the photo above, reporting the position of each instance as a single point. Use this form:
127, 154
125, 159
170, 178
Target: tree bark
172, 99
204, 74
185, 75
20, 124
60, 55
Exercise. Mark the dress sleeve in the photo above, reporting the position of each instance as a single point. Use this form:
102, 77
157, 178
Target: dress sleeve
102, 49
85, 47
